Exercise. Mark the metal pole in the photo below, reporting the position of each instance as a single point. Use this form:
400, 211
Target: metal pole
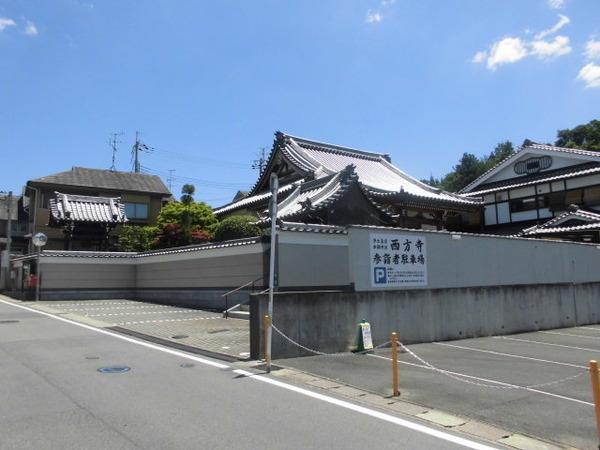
273, 210
594, 374
38, 275
395, 388
266, 354
8, 240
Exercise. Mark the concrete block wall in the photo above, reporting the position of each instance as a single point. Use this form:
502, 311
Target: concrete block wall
328, 321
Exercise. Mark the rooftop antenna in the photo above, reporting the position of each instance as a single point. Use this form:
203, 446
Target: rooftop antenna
113, 144
261, 162
170, 179
138, 147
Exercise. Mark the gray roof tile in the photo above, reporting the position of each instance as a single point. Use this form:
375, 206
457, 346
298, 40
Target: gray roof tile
105, 179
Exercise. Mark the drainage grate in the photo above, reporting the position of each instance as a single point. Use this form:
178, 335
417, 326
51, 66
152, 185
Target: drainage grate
9, 321
180, 336
114, 369
187, 365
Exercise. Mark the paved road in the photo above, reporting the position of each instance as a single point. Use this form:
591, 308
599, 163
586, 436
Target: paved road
54, 397
562, 412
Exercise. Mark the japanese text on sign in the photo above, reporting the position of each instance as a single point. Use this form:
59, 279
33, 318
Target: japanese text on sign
398, 260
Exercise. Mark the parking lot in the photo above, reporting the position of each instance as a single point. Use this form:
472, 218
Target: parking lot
535, 383
191, 329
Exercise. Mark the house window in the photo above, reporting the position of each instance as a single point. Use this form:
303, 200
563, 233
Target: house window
136, 210
527, 204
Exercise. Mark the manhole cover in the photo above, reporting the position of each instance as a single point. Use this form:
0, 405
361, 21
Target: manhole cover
9, 321
114, 369
217, 331
187, 365
180, 336
92, 357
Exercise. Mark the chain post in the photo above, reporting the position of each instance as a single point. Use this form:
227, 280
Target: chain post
595, 376
266, 329
395, 368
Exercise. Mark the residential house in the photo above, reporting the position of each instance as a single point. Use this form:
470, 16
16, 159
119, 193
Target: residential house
80, 208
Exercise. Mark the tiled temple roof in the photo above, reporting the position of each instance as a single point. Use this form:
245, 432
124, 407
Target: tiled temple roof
589, 220
80, 208
313, 160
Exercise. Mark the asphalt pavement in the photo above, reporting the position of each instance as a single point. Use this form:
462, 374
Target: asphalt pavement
533, 383
53, 396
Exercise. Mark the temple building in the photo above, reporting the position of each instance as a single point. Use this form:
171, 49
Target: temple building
329, 184
86, 218
542, 191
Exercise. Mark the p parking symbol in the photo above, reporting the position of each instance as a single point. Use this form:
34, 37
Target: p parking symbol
380, 275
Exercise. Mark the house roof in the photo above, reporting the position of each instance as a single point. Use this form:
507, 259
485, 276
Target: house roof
65, 208
105, 179
584, 220
544, 177
528, 146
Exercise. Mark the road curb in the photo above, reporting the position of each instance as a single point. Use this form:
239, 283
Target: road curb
432, 416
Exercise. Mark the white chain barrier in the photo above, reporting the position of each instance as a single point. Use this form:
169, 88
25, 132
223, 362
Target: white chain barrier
449, 374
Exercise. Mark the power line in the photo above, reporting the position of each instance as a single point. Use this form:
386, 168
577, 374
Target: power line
170, 179
261, 162
208, 183
201, 160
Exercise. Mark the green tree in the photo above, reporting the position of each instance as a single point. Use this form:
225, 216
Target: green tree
471, 167
185, 222
134, 238
236, 227
586, 136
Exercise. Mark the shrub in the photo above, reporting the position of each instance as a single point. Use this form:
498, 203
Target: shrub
236, 227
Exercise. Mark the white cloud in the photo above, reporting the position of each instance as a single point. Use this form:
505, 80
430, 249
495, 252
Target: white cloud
551, 49
592, 49
556, 4
373, 17
30, 29
387, 2
590, 74
506, 51
562, 21
479, 57
6, 22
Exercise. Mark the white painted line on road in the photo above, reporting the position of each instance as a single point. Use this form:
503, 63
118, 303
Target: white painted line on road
165, 320
568, 334
511, 355
547, 343
122, 337
488, 380
369, 412
140, 313
334, 401
587, 328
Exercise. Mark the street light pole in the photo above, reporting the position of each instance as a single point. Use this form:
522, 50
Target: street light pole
8, 239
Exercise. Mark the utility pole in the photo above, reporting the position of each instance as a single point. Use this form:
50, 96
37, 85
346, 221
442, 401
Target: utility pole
6, 258
170, 179
138, 147
274, 185
113, 144
136, 151
261, 162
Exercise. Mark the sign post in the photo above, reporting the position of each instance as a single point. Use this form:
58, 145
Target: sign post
39, 240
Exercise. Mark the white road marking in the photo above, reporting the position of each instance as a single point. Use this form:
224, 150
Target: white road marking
165, 320
511, 355
137, 313
488, 380
568, 334
334, 401
548, 343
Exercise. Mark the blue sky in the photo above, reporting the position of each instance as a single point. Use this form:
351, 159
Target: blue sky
208, 83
